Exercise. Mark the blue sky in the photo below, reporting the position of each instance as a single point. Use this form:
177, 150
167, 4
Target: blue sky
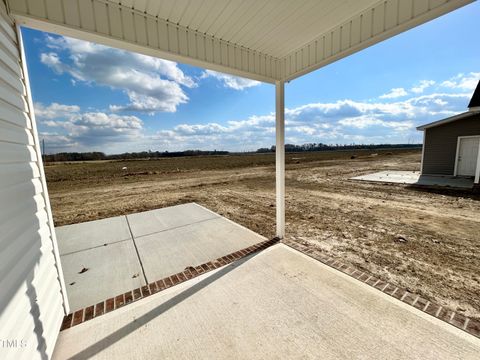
89, 97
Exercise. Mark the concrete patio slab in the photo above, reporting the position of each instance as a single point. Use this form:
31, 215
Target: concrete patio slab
112, 269
167, 252
165, 242
414, 178
275, 304
76, 237
154, 221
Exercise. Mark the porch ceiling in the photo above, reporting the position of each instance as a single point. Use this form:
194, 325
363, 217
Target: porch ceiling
265, 40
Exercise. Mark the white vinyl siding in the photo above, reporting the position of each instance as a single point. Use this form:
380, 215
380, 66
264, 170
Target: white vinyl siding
31, 301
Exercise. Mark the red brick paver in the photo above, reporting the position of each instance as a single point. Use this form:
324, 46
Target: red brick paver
471, 326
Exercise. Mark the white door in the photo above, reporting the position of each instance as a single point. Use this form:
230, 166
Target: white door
467, 156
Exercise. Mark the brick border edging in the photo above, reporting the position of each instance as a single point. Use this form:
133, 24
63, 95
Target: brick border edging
116, 302
469, 325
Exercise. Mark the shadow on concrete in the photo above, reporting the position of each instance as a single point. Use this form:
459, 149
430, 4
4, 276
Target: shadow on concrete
124, 331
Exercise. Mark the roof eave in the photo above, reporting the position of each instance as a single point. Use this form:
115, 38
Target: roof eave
450, 119
149, 34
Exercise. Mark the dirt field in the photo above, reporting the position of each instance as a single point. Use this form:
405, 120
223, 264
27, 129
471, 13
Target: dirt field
356, 222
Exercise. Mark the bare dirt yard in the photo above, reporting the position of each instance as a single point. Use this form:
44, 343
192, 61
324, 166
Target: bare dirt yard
356, 222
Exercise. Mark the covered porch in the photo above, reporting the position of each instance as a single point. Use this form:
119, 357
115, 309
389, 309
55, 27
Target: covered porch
277, 303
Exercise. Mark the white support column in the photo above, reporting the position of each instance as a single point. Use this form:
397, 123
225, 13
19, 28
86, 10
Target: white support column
280, 156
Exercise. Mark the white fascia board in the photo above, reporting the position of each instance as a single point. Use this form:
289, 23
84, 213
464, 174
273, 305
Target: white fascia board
450, 119
118, 26
385, 19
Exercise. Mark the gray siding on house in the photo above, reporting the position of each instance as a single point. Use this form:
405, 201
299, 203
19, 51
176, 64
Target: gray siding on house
440, 146
31, 301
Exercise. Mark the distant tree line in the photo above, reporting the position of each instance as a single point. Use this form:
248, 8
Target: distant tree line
325, 147
89, 156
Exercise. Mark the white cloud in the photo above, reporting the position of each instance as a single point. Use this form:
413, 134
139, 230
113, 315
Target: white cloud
85, 130
56, 142
96, 129
462, 81
342, 121
246, 134
201, 129
363, 122
254, 122
230, 81
151, 84
394, 93
55, 110
53, 61
422, 86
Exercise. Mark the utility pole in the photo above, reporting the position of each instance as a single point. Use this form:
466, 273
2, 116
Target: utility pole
43, 151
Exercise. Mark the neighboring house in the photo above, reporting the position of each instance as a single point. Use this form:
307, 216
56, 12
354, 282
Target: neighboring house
452, 146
